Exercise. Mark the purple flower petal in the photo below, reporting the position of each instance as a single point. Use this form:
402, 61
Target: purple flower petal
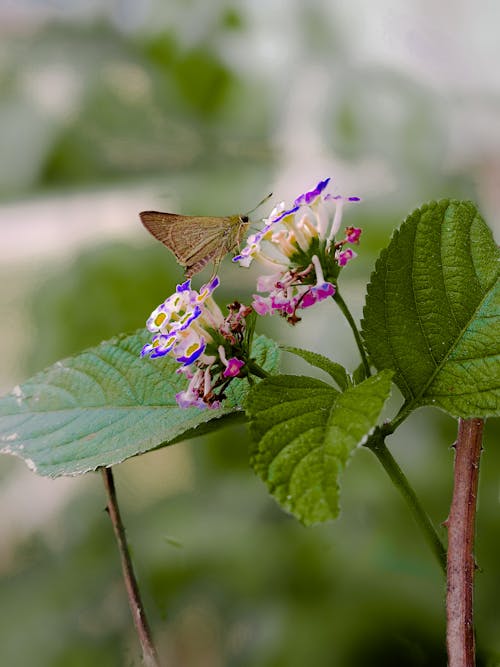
184, 287
192, 356
215, 282
308, 197
281, 216
187, 399
261, 305
324, 291
158, 352
183, 323
233, 367
309, 299
352, 234
345, 256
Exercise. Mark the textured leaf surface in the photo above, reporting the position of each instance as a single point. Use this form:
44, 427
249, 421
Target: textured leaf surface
432, 311
334, 370
105, 405
304, 432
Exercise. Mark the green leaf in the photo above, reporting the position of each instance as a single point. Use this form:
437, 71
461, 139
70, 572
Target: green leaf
432, 311
304, 432
105, 405
359, 374
337, 372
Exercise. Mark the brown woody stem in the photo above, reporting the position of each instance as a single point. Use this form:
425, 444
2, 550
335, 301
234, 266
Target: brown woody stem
460, 562
149, 654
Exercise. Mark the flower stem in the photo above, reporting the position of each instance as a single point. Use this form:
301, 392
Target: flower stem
376, 443
357, 336
149, 654
461, 528
255, 369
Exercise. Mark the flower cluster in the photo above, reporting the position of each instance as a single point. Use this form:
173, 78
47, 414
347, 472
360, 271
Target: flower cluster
299, 244
190, 327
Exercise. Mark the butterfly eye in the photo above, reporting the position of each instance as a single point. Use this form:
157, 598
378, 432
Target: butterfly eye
244, 218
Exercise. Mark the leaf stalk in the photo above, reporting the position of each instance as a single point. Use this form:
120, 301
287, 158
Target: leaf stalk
257, 370
376, 443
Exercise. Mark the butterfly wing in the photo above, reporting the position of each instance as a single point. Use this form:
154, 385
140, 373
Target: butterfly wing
194, 240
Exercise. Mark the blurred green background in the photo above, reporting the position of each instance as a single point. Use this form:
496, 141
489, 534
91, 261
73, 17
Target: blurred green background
109, 108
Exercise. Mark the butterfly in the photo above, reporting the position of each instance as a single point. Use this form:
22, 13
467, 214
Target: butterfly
197, 240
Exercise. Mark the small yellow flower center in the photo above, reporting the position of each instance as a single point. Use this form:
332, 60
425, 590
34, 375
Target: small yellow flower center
159, 319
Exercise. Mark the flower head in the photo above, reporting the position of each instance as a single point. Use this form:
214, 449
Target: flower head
210, 348
299, 243
344, 256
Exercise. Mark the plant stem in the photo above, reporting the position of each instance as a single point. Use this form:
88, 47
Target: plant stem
357, 336
404, 412
377, 445
255, 369
149, 654
461, 528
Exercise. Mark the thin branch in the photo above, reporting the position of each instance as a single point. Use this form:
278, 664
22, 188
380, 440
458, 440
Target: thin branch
149, 655
461, 529
377, 445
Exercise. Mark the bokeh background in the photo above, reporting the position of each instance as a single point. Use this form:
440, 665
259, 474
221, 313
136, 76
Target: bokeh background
111, 107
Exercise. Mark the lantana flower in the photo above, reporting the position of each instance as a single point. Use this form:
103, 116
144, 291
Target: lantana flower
299, 243
190, 327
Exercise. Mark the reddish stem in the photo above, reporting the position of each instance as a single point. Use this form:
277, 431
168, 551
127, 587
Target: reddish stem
149, 654
460, 562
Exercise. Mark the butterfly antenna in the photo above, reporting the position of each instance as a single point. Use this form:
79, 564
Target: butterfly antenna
261, 202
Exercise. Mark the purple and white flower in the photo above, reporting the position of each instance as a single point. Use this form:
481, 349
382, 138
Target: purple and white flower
298, 244
190, 327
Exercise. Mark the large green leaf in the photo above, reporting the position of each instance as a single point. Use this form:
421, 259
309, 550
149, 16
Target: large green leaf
432, 311
304, 432
107, 404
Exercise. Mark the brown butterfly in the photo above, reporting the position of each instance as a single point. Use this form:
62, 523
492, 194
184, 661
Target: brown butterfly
197, 240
